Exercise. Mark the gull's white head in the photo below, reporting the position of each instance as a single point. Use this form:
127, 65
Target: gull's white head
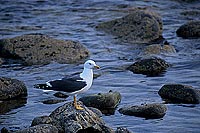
90, 64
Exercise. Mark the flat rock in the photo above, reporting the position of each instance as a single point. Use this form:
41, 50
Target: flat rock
189, 30
42, 128
148, 111
106, 102
37, 49
67, 119
11, 88
158, 49
149, 67
178, 93
140, 26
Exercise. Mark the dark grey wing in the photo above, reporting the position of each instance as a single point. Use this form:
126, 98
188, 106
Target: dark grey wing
69, 84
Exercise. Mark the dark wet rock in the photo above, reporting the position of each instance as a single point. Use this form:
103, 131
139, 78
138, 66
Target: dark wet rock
148, 111
122, 130
67, 119
41, 120
60, 95
149, 67
96, 111
141, 26
53, 101
193, 13
43, 128
189, 30
8, 105
106, 102
158, 49
40, 49
177, 93
11, 88
5, 130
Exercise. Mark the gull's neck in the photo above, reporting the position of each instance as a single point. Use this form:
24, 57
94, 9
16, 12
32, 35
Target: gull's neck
87, 73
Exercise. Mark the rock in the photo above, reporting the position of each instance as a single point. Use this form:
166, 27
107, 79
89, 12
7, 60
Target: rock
158, 49
189, 30
37, 49
177, 93
67, 119
60, 95
52, 101
140, 26
9, 105
193, 13
148, 111
41, 120
5, 130
11, 88
96, 111
43, 128
106, 102
122, 130
149, 67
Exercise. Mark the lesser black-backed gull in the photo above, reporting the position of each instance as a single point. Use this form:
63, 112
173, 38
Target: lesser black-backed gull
73, 85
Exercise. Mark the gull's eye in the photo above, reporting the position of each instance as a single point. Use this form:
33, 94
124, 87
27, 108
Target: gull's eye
90, 63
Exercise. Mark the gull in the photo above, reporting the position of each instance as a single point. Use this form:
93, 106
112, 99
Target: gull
73, 85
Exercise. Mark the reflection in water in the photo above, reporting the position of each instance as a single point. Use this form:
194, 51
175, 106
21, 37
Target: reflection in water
6, 106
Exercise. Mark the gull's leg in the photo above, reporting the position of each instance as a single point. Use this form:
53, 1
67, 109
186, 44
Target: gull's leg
78, 107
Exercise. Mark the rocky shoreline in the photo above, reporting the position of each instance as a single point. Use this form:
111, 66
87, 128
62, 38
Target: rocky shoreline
141, 26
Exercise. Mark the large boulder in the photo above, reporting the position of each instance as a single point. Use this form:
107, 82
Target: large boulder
149, 67
11, 88
177, 93
148, 111
36, 49
189, 30
141, 26
67, 119
106, 102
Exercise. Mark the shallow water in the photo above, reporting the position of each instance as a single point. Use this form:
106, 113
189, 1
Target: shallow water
76, 20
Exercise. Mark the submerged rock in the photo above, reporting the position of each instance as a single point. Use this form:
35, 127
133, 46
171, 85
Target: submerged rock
60, 95
149, 67
190, 29
141, 26
148, 111
42, 128
106, 102
67, 119
158, 49
40, 49
177, 93
11, 88
53, 101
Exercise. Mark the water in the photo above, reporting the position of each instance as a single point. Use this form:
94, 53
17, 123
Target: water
76, 20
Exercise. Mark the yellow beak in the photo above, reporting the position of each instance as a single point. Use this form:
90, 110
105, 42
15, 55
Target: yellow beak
98, 67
